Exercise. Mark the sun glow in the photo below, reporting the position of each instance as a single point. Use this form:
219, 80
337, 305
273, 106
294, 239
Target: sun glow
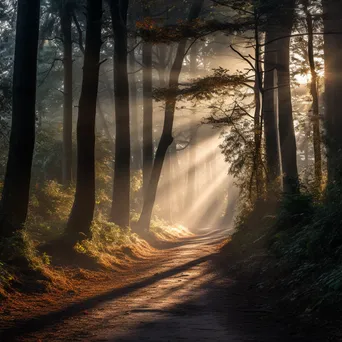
193, 190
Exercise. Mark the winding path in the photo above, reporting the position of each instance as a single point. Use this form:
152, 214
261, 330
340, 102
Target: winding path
180, 298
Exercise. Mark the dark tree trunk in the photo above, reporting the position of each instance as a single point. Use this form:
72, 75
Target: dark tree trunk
307, 131
83, 209
270, 113
315, 101
166, 138
66, 19
333, 87
148, 115
167, 169
15, 195
120, 211
286, 129
258, 119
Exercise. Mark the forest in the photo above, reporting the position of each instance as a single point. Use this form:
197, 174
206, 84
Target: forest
170, 170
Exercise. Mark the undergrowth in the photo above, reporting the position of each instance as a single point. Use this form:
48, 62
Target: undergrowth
110, 247
294, 246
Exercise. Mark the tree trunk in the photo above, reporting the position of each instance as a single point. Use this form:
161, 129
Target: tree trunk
258, 119
166, 137
167, 169
66, 19
83, 209
120, 211
286, 129
15, 195
270, 113
333, 87
307, 132
148, 115
315, 101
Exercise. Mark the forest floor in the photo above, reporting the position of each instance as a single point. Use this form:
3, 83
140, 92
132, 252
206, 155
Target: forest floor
179, 293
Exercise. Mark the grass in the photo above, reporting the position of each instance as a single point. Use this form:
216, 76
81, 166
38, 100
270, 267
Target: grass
52, 266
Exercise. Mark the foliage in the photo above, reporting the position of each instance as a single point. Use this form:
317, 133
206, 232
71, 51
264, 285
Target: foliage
303, 240
150, 31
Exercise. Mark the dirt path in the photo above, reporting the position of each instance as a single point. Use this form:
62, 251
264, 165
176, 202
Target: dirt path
181, 298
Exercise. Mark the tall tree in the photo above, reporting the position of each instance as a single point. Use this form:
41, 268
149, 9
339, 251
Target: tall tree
134, 67
161, 66
166, 138
66, 21
83, 209
135, 129
287, 137
333, 86
15, 196
120, 211
269, 110
315, 98
148, 107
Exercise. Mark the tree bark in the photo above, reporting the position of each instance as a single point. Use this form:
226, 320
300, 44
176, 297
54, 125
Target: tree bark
166, 138
258, 119
83, 208
120, 211
332, 16
286, 129
167, 168
270, 113
15, 195
315, 100
66, 20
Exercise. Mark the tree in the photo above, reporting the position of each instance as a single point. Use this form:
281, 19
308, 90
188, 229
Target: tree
66, 21
166, 138
15, 196
148, 106
315, 98
135, 129
285, 17
83, 208
332, 18
269, 110
120, 211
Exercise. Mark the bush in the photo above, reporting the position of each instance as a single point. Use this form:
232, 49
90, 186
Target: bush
301, 237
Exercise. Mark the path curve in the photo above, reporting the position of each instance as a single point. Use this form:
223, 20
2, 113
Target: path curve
182, 298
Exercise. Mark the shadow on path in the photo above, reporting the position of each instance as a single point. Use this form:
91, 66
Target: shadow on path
37, 323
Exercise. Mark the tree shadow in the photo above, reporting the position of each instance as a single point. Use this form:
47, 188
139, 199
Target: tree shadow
22, 327
231, 315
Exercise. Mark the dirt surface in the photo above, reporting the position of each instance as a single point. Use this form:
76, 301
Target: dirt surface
176, 295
